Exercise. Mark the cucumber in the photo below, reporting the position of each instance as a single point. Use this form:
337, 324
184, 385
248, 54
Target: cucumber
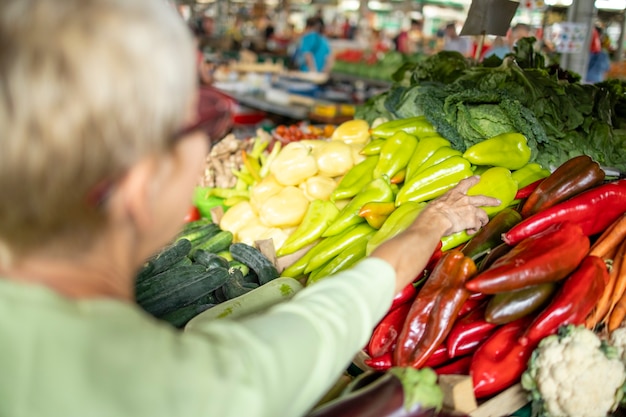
179, 287
253, 302
219, 295
178, 318
209, 259
165, 259
234, 286
186, 261
196, 224
245, 269
200, 234
216, 243
251, 256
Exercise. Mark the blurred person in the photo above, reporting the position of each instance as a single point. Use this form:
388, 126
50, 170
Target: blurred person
498, 47
599, 59
313, 53
408, 41
74, 234
454, 42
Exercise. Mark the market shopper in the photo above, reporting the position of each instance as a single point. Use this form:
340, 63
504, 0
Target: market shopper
313, 53
95, 176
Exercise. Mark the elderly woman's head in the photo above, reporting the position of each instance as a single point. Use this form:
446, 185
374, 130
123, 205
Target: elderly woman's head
88, 89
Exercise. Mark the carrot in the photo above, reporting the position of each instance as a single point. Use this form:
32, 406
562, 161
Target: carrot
617, 309
610, 238
602, 308
620, 281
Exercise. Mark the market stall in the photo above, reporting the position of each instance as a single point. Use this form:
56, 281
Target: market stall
529, 307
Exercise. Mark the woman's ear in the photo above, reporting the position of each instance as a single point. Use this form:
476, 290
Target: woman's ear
136, 192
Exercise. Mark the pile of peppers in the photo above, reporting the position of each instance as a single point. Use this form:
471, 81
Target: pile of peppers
486, 304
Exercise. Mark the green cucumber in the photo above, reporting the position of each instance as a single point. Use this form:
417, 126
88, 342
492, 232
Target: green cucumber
200, 234
165, 259
216, 243
253, 302
234, 286
209, 259
195, 225
178, 318
179, 287
251, 256
245, 269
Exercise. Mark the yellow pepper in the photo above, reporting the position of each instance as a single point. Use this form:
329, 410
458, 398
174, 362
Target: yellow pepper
318, 187
238, 216
352, 131
285, 209
294, 164
333, 158
263, 190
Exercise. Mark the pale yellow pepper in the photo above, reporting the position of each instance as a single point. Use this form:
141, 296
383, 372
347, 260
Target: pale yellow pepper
294, 164
238, 216
318, 187
352, 131
285, 209
263, 190
333, 158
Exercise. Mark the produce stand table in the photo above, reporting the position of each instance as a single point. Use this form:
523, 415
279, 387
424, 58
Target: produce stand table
258, 101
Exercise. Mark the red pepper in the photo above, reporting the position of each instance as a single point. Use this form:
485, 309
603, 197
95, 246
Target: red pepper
573, 302
407, 294
493, 256
490, 236
386, 332
438, 357
469, 332
593, 210
459, 366
470, 305
434, 310
192, 215
571, 178
500, 361
435, 257
548, 256
380, 363
524, 192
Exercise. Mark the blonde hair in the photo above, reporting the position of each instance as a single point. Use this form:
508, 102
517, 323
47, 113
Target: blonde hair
87, 87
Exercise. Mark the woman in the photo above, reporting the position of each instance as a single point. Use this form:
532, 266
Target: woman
96, 172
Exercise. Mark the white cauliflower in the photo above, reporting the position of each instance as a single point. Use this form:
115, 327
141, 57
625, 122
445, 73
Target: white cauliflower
574, 374
618, 339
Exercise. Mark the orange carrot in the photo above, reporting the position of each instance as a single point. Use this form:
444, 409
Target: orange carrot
602, 308
617, 310
610, 238
620, 277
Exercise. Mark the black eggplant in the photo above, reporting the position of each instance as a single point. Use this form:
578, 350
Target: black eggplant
398, 392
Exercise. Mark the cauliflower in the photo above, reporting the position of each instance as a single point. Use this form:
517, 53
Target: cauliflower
574, 374
618, 339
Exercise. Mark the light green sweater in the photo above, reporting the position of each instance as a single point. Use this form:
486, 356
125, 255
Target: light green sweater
97, 358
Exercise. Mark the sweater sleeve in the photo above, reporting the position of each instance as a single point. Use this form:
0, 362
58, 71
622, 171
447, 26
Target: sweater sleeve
289, 356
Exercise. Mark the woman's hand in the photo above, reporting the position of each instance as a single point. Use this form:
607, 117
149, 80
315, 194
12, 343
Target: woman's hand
461, 211
409, 251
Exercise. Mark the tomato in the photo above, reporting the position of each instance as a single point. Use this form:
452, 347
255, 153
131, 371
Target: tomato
193, 214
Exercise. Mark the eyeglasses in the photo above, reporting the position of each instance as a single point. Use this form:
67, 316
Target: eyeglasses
214, 124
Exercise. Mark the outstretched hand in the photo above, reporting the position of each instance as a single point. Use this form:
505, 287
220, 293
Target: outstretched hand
462, 211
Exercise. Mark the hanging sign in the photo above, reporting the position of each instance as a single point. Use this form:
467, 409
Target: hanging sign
489, 17
567, 37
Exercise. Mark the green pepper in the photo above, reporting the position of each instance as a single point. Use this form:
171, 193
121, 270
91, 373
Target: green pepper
317, 217
330, 247
435, 180
373, 147
345, 259
529, 173
395, 154
496, 182
455, 239
425, 148
508, 306
418, 126
507, 150
401, 218
355, 179
440, 155
379, 189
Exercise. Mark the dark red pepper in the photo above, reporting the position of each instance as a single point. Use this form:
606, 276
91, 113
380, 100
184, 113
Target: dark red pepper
593, 210
571, 178
434, 310
386, 332
500, 361
459, 366
407, 294
490, 235
508, 306
573, 302
548, 256
469, 332
438, 357
526, 191
493, 256
470, 305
